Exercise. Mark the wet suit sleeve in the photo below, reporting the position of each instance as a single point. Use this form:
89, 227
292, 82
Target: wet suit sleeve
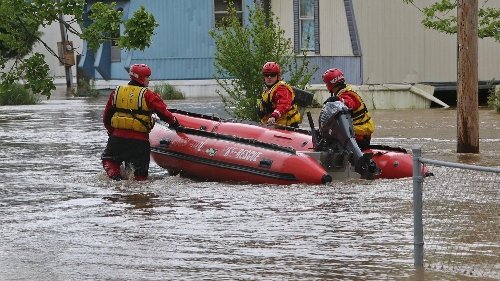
283, 100
109, 111
350, 100
158, 106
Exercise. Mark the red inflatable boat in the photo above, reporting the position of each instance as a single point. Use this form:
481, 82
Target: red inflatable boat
215, 149
218, 157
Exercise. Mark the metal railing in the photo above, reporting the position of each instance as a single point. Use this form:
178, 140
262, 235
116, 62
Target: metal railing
456, 217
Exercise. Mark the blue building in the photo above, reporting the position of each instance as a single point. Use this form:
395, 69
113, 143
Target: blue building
380, 45
182, 48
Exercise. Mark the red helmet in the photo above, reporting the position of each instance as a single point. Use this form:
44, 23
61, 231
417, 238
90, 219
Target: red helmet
271, 67
139, 71
332, 77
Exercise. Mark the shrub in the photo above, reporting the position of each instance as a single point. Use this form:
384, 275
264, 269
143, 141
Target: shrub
16, 94
242, 51
168, 92
86, 90
494, 99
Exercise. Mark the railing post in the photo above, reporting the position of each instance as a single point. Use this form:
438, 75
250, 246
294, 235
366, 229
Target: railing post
418, 232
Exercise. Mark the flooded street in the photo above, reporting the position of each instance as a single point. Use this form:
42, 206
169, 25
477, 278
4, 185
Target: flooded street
61, 218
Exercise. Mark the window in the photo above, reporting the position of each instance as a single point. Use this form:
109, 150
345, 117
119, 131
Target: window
306, 25
220, 10
115, 50
116, 54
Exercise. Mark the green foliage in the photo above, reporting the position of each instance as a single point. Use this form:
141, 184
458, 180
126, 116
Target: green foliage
23, 44
16, 94
242, 51
34, 71
135, 28
168, 92
86, 89
494, 98
106, 19
439, 17
20, 21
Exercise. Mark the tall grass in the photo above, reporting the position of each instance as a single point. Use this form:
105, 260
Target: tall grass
168, 92
17, 94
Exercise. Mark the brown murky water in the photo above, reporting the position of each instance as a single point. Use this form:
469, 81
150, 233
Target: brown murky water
62, 219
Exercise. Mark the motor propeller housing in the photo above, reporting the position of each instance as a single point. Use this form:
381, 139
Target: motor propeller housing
336, 135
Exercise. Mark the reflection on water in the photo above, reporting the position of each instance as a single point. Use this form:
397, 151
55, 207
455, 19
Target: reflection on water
62, 219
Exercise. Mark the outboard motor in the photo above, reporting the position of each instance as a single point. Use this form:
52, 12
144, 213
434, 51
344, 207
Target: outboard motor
336, 136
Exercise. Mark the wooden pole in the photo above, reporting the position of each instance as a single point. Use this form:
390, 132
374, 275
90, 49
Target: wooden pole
64, 38
467, 77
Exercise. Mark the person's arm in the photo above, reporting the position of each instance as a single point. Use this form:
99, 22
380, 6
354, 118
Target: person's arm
350, 100
109, 111
158, 106
283, 99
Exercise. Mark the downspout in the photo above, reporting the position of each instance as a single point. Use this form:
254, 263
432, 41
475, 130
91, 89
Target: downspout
267, 8
353, 33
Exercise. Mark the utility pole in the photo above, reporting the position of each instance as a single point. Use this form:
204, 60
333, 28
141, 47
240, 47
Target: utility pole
64, 39
467, 77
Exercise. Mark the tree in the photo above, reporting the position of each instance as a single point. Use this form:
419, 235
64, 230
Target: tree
438, 17
470, 24
20, 21
242, 51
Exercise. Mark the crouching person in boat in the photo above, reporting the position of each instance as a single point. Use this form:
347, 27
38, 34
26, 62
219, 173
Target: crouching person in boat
277, 102
128, 119
361, 120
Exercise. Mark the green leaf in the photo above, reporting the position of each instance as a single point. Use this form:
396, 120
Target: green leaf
242, 51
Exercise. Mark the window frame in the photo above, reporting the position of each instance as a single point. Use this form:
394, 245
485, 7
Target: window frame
225, 13
298, 30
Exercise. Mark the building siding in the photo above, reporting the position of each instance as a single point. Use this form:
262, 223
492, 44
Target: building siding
394, 47
398, 49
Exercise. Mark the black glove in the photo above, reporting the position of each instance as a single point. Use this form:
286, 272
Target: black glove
332, 99
175, 124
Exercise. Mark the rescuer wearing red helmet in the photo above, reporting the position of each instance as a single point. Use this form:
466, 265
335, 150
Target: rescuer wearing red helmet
277, 102
361, 120
128, 120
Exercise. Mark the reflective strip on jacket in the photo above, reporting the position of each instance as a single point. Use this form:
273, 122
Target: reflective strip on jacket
132, 112
361, 120
267, 106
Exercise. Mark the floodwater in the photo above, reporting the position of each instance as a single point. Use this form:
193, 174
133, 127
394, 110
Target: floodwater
62, 219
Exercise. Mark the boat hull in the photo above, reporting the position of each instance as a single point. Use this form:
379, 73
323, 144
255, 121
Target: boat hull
217, 157
189, 152
394, 162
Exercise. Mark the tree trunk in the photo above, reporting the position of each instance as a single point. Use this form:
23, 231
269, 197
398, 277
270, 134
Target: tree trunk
467, 77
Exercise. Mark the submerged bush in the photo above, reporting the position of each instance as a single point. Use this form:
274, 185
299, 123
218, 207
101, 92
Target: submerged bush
168, 92
85, 89
16, 94
494, 99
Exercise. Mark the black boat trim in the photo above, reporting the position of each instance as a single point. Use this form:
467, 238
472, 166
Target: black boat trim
386, 147
232, 138
241, 121
225, 165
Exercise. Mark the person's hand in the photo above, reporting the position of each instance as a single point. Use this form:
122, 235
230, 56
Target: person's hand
271, 120
175, 124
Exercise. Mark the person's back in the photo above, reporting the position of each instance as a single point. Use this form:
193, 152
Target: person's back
361, 119
128, 119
